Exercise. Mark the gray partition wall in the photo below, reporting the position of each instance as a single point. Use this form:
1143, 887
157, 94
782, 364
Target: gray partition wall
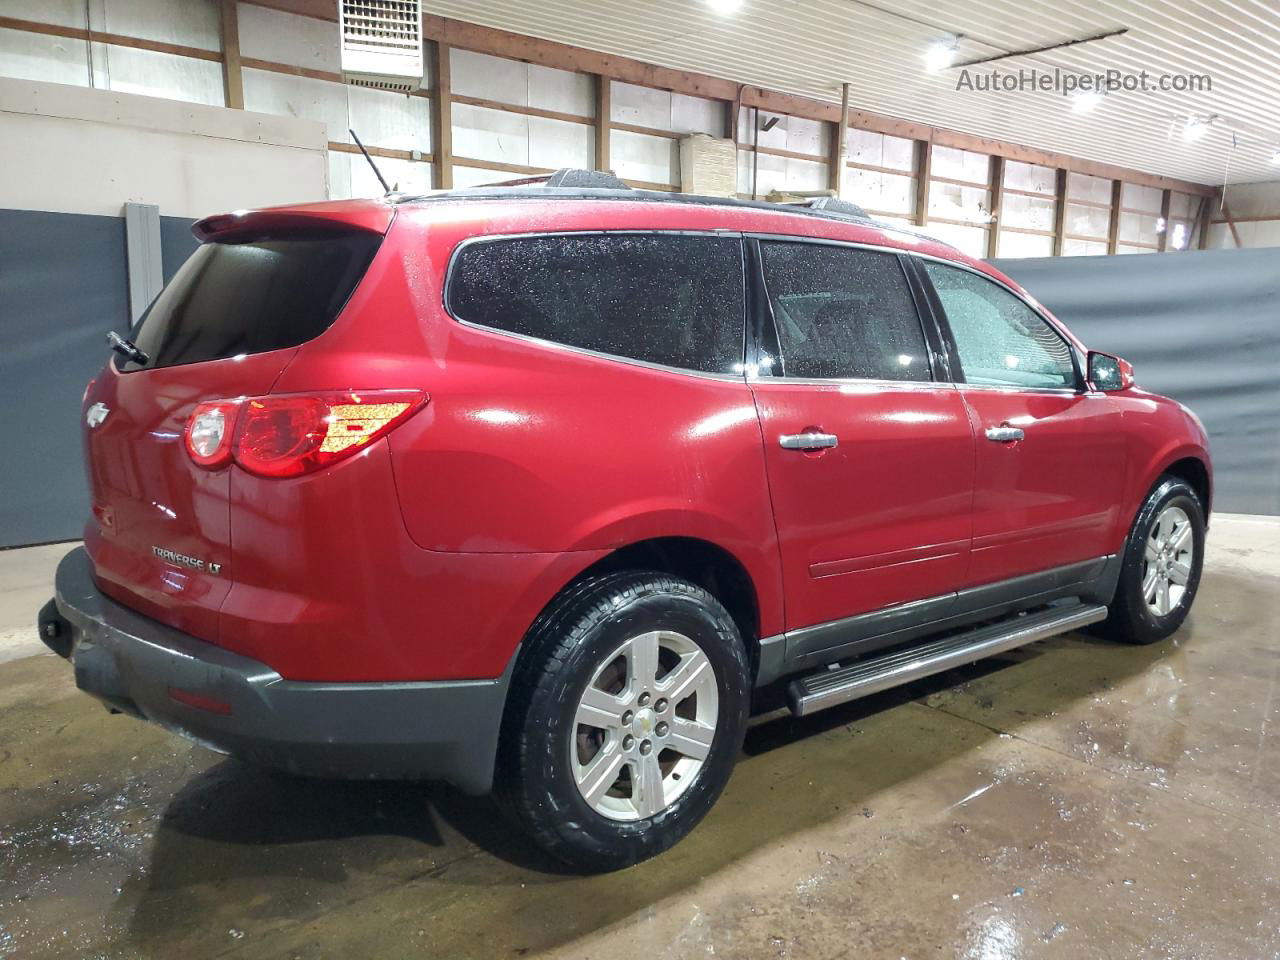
1202, 327
63, 284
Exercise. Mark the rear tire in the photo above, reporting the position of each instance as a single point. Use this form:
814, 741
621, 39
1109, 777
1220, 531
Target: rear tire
627, 713
1163, 558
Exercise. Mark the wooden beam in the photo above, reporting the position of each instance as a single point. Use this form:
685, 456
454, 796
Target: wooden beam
1264, 218
924, 164
442, 118
835, 168
797, 155
114, 39
502, 166
337, 146
290, 69
1113, 223
1203, 217
997, 200
604, 122
1235, 234
562, 56
1060, 214
232, 76
523, 110
1201, 223
733, 110
646, 131
1162, 241
316, 9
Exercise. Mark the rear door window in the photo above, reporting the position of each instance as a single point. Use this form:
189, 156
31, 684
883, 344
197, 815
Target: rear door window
669, 299
843, 313
252, 296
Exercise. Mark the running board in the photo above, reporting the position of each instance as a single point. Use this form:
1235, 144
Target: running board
865, 677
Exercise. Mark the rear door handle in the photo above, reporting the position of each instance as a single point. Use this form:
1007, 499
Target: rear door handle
807, 441
1004, 434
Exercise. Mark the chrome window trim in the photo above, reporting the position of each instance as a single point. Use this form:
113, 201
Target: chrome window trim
856, 381
1015, 388
586, 351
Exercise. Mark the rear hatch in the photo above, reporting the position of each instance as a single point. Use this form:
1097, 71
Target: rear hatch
226, 326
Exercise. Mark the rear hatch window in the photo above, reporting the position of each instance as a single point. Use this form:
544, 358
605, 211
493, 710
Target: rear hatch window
252, 295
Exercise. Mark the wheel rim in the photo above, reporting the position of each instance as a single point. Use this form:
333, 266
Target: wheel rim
644, 726
1167, 561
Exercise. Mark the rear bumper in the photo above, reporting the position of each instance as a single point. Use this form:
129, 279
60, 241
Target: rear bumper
445, 730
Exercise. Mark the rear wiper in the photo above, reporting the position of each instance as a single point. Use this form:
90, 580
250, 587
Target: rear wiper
127, 348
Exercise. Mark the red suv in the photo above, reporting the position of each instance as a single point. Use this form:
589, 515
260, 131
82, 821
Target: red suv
534, 485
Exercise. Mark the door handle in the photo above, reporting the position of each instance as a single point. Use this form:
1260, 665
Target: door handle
1005, 434
807, 441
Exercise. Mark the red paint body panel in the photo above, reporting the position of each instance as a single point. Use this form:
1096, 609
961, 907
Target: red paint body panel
428, 554
1054, 497
146, 492
883, 517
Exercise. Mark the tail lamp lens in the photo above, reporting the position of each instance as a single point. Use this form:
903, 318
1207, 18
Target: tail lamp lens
208, 434
291, 434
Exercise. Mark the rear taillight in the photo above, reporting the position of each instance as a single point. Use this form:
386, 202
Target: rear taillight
208, 433
290, 434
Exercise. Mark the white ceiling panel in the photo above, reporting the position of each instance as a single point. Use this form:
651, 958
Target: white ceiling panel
810, 47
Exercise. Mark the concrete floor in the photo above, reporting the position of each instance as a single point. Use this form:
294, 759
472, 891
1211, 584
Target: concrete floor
1072, 799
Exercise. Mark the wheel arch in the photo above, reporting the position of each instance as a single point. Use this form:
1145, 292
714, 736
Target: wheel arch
703, 562
1194, 470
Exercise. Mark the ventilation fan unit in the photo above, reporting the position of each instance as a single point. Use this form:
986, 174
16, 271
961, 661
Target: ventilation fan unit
382, 44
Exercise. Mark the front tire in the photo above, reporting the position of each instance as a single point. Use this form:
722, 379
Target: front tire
627, 713
1163, 559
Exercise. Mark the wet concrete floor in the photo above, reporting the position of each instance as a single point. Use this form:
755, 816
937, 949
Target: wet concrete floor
1071, 799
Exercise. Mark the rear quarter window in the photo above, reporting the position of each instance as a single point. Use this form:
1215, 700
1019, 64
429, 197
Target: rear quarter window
669, 299
251, 296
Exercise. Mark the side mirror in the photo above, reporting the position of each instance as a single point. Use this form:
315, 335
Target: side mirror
1108, 373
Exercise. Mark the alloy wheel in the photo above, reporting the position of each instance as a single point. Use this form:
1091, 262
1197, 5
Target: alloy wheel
1167, 561
644, 726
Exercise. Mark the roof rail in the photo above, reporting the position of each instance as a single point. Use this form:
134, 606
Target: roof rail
836, 206
596, 179
568, 178
572, 183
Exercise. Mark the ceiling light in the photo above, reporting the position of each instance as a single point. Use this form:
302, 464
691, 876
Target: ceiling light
1085, 101
941, 54
725, 7
1275, 157
1195, 128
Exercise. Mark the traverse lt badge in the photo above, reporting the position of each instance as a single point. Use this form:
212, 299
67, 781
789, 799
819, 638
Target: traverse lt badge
182, 560
96, 414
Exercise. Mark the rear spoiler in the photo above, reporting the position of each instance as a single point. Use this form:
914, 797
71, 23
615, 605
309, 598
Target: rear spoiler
368, 216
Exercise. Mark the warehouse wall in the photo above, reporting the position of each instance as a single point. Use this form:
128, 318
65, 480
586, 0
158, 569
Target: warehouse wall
72, 157
500, 117
1254, 210
1200, 328
79, 150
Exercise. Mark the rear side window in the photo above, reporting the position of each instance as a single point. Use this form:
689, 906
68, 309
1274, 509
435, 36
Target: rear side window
662, 298
843, 313
252, 296
1001, 340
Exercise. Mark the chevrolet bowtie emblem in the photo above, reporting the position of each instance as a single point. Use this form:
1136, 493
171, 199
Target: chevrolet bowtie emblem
96, 414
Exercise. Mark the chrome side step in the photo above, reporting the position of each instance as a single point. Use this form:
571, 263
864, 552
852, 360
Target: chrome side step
865, 677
